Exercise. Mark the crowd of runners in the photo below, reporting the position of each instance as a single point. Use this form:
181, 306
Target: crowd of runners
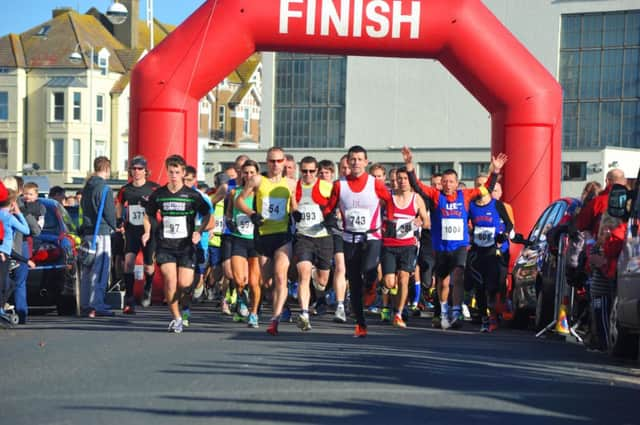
356, 239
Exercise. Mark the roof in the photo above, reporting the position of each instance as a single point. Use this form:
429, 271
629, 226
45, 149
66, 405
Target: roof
66, 82
243, 73
240, 94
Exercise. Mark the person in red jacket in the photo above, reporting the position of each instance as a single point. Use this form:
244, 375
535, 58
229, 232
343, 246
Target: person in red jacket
589, 216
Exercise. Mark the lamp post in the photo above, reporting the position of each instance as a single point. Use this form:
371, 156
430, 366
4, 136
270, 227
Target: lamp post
76, 57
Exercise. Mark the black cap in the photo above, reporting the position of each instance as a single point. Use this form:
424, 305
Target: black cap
139, 161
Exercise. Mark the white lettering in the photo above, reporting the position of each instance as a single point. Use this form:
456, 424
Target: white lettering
381, 20
311, 17
399, 18
329, 13
357, 18
286, 13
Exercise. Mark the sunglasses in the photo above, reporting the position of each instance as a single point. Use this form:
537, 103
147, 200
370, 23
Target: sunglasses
308, 171
137, 168
276, 161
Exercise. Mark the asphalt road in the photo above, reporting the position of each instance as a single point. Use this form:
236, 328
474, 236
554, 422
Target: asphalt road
129, 370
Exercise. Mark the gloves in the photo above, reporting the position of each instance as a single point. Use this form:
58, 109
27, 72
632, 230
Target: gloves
297, 216
502, 238
257, 219
389, 229
330, 222
231, 225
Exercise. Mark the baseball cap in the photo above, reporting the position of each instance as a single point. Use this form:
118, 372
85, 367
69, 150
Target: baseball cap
138, 161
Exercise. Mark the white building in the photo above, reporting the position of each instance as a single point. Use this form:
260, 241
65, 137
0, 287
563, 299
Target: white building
592, 47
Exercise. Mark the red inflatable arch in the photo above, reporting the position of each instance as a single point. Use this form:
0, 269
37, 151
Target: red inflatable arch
523, 98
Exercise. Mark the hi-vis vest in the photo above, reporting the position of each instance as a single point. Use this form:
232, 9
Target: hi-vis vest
272, 202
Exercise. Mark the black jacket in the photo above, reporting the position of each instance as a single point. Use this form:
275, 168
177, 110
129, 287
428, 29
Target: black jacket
91, 196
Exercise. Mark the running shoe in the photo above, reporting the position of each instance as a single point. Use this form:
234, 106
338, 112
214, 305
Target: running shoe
340, 315
242, 309
293, 290
456, 320
465, 312
484, 327
361, 331
198, 291
393, 291
303, 323
273, 328
237, 317
231, 296
175, 326
493, 323
436, 323
398, 322
128, 309
146, 298
253, 321
226, 310
444, 322
285, 316
385, 314
186, 316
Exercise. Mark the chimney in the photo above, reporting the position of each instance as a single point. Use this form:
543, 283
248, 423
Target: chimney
127, 32
60, 11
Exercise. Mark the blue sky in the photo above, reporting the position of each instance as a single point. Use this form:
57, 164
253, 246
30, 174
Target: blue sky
21, 15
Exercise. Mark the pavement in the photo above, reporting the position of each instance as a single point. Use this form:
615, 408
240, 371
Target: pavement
129, 370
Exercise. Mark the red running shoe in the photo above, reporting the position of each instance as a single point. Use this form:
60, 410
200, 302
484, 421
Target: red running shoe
128, 309
361, 331
369, 296
273, 328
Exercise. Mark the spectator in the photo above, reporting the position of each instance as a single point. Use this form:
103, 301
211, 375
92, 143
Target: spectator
57, 193
591, 213
94, 278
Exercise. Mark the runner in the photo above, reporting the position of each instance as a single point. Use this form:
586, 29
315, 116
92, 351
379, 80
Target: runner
176, 234
450, 232
273, 204
314, 245
358, 198
491, 226
130, 205
399, 243
245, 262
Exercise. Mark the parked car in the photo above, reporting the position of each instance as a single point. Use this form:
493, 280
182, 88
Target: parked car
534, 272
55, 279
624, 319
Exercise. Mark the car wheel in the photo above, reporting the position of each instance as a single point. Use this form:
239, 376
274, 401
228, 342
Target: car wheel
621, 343
544, 309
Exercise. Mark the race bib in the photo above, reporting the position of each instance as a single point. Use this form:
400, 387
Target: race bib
452, 229
311, 215
357, 220
274, 208
244, 224
404, 228
218, 226
136, 215
484, 236
174, 227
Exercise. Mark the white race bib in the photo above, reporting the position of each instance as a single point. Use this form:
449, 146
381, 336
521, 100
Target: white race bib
136, 215
357, 220
244, 224
274, 208
452, 229
311, 215
484, 236
218, 226
404, 228
174, 227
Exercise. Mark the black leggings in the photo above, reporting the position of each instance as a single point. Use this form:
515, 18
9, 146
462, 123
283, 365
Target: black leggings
361, 261
5, 288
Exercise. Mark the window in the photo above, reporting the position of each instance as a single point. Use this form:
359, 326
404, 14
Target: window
4, 154
75, 154
600, 76
4, 105
221, 118
99, 108
471, 170
310, 100
77, 98
57, 154
58, 106
576, 171
103, 61
247, 122
99, 148
427, 169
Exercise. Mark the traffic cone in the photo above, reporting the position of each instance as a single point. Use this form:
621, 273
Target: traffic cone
562, 324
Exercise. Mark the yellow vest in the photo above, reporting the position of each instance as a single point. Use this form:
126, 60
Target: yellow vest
272, 202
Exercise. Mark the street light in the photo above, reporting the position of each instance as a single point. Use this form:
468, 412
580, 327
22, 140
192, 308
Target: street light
77, 56
117, 13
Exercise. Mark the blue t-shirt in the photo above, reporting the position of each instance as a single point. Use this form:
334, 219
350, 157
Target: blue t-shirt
12, 223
